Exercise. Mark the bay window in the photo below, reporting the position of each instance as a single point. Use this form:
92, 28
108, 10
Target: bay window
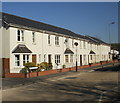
17, 60
25, 59
66, 59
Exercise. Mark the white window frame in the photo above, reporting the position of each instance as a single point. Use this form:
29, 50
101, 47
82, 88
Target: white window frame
20, 36
49, 39
84, 44
80, 44
44, 57
57, 40
27, 58
71, 58
91, 57
67, 59
84, 58
57, 58
17, 60
33, 37
39, 58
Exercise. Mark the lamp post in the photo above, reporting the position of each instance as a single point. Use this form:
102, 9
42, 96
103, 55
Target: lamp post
76, 44
110, 35
109, 32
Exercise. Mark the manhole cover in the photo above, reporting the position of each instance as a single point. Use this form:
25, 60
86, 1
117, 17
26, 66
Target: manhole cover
71, 78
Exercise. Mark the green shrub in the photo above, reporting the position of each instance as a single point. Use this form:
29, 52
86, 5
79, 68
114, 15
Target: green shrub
24, 70
27, 66
50, 66
46, 66
64, 66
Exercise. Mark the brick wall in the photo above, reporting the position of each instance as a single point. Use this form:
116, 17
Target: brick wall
35, 74
15, 75
6, 66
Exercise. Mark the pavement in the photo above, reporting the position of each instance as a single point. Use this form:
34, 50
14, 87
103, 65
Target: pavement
17, 82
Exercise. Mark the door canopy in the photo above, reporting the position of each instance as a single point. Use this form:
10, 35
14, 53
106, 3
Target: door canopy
68, 51
92, 52
21, 49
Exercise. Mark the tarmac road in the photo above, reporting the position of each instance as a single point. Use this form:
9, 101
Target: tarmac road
96, 85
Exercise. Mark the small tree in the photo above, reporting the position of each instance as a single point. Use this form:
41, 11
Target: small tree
46, 66
28, 65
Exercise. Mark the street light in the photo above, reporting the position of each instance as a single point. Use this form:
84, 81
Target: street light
109, 32
110, 35
76, 44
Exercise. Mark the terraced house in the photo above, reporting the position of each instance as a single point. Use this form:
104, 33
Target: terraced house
24, 40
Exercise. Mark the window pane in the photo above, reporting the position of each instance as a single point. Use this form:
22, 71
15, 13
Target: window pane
23, 57
33, 38
66, 58
22, 35
17, 60
18, 35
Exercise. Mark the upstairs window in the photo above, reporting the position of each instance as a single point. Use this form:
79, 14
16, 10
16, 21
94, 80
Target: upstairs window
56, 40
84, 44
20, 35
48, 39
80, 44
33, 37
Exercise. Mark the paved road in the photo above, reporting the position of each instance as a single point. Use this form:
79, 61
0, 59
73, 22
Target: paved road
97, 85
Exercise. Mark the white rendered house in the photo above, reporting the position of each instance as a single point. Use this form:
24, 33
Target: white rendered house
24, 40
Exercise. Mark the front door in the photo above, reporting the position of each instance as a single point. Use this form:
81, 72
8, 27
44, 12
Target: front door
80, 60
34, 58
49, 58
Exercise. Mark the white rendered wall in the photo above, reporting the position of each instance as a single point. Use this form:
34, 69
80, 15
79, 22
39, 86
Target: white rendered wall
42, 47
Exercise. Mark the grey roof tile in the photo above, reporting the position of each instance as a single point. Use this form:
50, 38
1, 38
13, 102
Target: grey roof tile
13, 19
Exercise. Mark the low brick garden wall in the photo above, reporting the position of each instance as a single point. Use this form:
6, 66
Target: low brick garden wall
15, 75
35, 74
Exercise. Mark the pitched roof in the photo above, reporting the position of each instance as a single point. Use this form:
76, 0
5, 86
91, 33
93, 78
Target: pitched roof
98, 40
92, 52
21, 49
68, 51
13, 19
8, 19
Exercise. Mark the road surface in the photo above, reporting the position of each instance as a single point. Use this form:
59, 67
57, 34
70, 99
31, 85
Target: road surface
95, 85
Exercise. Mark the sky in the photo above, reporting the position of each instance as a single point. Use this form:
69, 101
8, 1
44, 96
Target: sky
84, 18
